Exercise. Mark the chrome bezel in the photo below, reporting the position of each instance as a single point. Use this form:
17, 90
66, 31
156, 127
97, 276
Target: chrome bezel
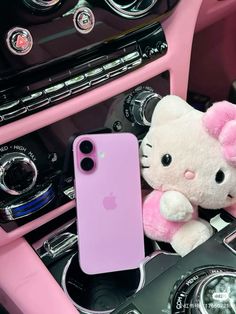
26, 33
87, 11
125, 10
201, 288
140, 103
140, 286
6, 162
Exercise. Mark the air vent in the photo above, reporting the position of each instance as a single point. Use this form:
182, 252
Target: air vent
132, 8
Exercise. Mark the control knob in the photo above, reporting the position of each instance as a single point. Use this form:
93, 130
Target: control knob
140, 104
215, 294
207, 290
18, 173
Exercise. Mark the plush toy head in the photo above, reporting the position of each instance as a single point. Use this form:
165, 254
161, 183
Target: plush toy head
192, 152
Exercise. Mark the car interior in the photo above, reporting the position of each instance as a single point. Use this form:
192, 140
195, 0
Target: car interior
93, 68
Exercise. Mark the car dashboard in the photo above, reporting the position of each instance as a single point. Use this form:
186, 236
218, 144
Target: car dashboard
70, 67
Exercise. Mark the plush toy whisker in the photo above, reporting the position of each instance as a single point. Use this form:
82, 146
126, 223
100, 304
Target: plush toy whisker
149, 145
145, 156
145, 167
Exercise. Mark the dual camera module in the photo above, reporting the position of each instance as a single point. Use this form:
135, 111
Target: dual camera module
87, 163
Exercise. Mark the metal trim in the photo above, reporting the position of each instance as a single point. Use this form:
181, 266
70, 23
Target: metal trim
6, 162
140, 286
125, 10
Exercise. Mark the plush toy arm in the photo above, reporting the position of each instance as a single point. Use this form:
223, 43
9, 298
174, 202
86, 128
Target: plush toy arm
174, 206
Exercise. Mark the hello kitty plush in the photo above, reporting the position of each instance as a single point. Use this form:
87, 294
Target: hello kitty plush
189, 158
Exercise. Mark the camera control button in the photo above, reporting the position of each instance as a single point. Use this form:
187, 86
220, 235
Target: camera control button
19, 41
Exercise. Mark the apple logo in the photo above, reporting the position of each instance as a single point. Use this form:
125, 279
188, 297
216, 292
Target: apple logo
109, 202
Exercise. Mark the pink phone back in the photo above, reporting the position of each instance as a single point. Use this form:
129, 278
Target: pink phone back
109, 205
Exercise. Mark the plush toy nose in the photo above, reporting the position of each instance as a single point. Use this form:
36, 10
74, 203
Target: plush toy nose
189, 175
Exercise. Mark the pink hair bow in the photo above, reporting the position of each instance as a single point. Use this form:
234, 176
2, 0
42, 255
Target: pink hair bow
220, 122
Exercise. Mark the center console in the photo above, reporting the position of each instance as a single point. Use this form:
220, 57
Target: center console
71, 67
202, 282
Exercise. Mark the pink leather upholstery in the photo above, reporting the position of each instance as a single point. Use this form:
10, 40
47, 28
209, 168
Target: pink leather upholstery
28, 284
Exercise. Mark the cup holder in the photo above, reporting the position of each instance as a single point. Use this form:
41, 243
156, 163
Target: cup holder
100, 293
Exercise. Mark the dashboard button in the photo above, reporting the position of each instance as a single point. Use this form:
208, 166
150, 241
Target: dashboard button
19, 41
84, 20
118, 71
9, 105
31, 97
113, 64
131, 56
77, 84
60, 94
134, 64
38, 104
99, 79
80, 87
54, 88
75, 80
97, 76
94, 72
14, 114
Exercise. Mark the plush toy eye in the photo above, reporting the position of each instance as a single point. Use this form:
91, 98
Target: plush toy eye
166, 160
220, 176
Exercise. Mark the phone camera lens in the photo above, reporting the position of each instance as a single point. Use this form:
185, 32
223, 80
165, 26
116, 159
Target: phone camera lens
87, 164
86, 147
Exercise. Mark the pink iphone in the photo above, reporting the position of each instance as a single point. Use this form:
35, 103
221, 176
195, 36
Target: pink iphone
108, 201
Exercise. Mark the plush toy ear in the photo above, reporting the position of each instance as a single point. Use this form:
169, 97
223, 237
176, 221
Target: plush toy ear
169, 108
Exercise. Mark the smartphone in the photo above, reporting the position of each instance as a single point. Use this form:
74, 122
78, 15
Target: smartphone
108, 202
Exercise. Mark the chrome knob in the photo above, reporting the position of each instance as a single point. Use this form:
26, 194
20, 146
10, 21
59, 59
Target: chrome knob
216, 294
140, 105
18, 173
